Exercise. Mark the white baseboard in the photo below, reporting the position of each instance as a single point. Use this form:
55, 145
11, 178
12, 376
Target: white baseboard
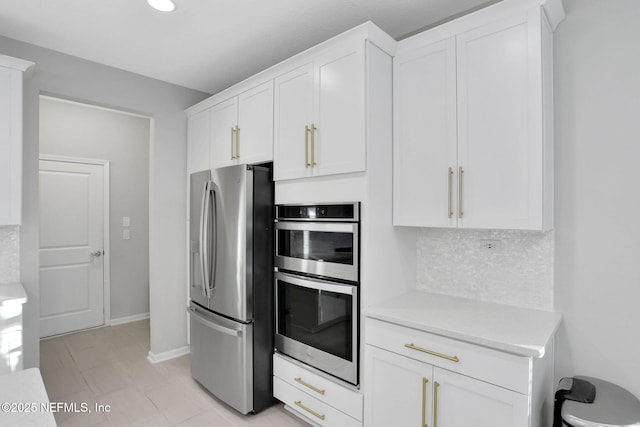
128, 319
167, 355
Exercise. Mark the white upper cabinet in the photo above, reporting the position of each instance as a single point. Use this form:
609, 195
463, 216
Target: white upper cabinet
254, 132
242, 128
292, 116
309, 118
319, 115
223, 121
472, 121
11, 75
500, 145
198, 142
425, 153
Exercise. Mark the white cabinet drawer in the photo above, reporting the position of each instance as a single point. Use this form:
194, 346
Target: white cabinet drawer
341, 398
496, 367
312, 408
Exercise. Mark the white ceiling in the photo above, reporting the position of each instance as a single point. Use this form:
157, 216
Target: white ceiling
206, 44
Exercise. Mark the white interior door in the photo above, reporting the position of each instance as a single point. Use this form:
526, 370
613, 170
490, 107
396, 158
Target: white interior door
71, 246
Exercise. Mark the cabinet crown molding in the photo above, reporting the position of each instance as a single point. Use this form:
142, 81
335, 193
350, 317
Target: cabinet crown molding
366, 31
552, 9
16, 63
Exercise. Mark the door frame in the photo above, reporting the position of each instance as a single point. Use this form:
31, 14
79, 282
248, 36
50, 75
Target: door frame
106, 267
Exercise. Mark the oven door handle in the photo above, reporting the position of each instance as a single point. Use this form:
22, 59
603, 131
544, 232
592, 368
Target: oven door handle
336, 227
316, 284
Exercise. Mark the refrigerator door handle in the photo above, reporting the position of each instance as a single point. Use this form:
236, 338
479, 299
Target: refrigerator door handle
204, 248
202, 319
214, 238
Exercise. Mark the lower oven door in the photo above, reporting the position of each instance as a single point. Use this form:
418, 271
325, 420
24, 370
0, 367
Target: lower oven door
317, 323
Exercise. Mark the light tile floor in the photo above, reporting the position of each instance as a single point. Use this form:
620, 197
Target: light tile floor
108, 366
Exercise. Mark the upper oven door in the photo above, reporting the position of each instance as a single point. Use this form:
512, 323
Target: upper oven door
327, 249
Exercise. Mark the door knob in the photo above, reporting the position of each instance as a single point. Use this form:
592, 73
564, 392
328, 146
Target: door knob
96, 253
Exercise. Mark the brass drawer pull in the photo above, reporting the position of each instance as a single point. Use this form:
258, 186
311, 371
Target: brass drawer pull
237, 142
449, 179
299, 380
309, 410
313, 145
460, 174
435, 403
424, 402
233, 132
306, 147
433, 353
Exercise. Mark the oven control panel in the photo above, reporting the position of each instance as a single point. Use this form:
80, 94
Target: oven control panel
319, 212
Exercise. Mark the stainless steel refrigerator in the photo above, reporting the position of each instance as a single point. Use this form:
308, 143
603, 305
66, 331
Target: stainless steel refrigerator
231, 284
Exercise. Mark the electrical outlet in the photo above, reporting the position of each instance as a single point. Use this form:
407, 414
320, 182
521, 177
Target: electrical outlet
489, 244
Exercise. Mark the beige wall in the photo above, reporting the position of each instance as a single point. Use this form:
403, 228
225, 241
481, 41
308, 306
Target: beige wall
74, 78
78, 130
597, 262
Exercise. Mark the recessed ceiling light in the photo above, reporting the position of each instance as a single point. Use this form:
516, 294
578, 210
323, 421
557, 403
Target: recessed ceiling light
162, 5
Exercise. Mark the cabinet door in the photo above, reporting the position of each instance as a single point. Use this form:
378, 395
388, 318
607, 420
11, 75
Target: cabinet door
255, 125
224, 118
425, 151
339, 111
198, 156
499, 119
293, 98
463, 401
10, 146
399, 390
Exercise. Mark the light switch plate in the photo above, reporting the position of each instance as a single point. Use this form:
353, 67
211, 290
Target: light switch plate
126, 234
126, 221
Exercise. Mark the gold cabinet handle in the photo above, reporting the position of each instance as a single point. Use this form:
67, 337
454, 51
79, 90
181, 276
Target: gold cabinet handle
450, 179
433, 353
309, 410
460, 173
233, 132
237, 142
306, 147
424, 402
436, 384
313, 145
299, 380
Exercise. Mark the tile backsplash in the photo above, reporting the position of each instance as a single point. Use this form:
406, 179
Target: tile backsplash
518, 270
9, 254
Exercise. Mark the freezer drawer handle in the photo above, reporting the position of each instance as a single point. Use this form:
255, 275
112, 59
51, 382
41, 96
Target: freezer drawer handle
200, 318
309, 410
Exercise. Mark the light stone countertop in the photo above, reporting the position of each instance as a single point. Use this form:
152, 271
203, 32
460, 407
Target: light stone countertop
12, 293
520, 331
24, 400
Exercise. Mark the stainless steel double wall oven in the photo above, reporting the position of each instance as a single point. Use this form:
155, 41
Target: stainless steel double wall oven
317, 286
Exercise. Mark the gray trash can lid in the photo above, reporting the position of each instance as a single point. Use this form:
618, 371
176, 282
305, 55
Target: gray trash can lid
612, 407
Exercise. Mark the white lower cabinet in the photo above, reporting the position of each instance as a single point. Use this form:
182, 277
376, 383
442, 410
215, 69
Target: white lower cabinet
413, 378
398, 390
11, 349
459, 400
315, 397
403, 391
